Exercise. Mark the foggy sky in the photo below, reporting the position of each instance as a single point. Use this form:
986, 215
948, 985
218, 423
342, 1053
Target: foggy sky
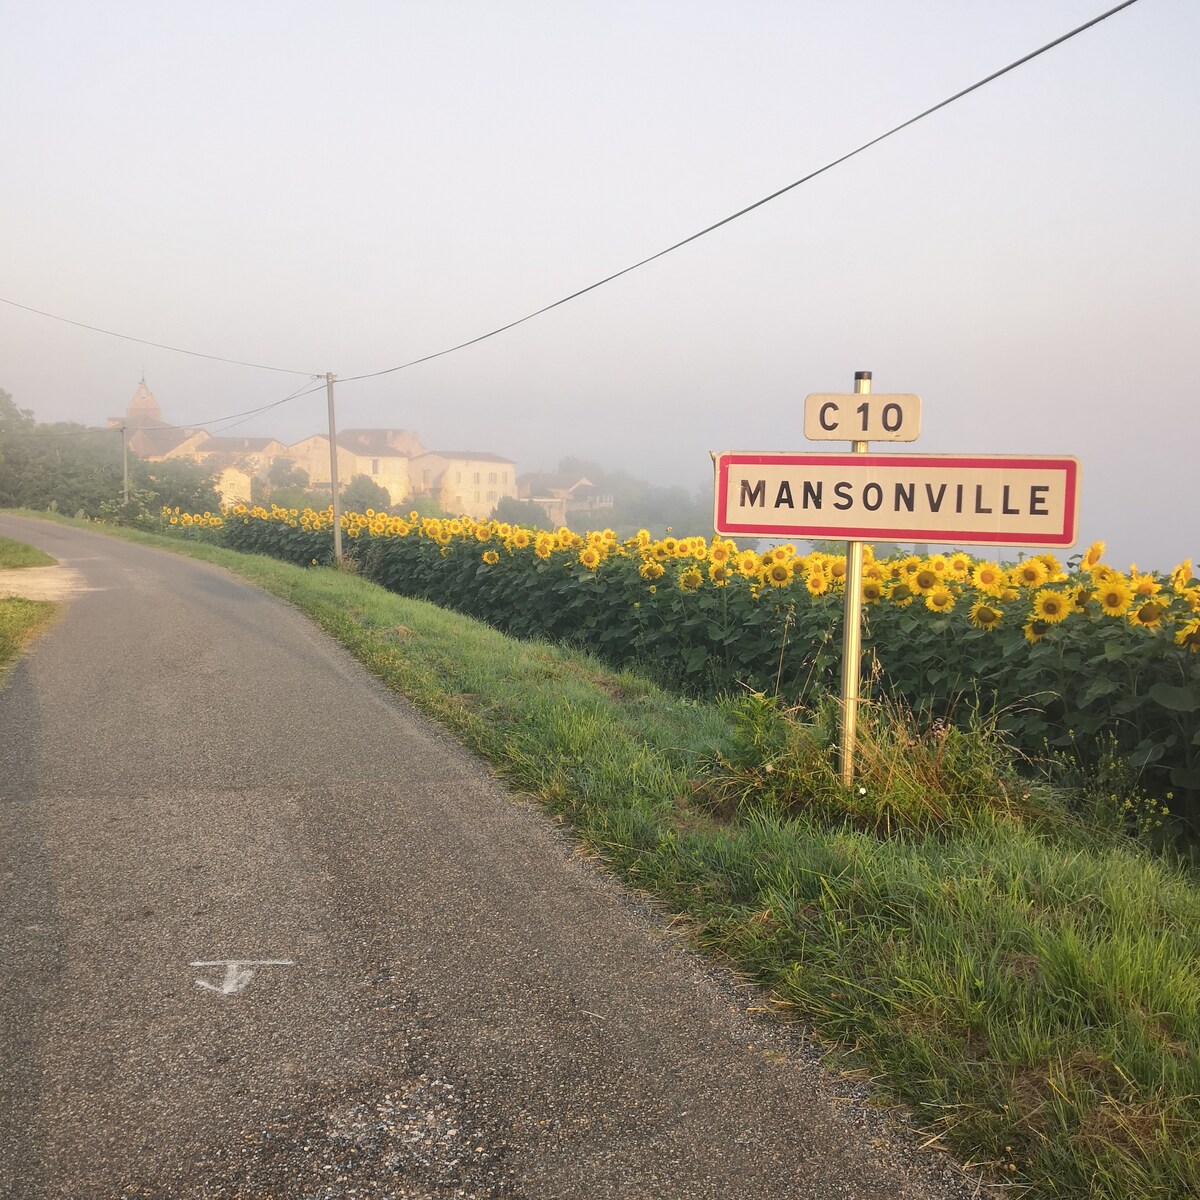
345, 188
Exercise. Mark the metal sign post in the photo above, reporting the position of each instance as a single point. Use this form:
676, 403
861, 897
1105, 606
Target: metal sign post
852, 625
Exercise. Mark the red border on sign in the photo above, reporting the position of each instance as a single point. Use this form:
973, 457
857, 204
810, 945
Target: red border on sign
984, 462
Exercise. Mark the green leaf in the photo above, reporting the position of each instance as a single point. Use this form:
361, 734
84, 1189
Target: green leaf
1177, 699
1186, 777
1102, 685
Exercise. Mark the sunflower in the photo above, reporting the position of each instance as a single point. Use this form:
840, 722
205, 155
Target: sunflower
1052, 606
1148, 615
1035, 630
989, 578
719, 573
651, 570
901, 594
984, 615
1054, 569
718, 552
1182, 575
1115, 597
1144, 585
590, 557
520, 538
872, 591
544, 547
940, 599
1188, 635
924, 580
959, 566
1092, 557
491, 557
690, 579
816, 583
778, 574
747, 564
1029, 574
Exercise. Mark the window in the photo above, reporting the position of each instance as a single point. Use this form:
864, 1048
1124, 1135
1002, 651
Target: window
491, 497
374, 466
476, 480
491, 477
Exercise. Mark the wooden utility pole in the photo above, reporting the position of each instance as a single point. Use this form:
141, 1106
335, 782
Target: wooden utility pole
125, 460
333, 474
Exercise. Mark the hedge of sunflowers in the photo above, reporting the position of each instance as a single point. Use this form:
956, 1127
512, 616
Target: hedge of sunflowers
1080, 657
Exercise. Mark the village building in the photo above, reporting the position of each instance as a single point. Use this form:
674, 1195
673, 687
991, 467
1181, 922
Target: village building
565, 499
467, 482
464, 481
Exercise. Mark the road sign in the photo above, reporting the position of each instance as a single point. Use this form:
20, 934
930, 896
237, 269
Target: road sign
862, 417
966, 500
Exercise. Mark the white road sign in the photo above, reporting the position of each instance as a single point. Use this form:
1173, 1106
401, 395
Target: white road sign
976, 500
862, 417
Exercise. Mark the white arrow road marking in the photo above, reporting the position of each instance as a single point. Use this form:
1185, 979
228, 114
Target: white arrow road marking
238, 972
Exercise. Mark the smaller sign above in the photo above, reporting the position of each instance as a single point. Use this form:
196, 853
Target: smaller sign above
862, 417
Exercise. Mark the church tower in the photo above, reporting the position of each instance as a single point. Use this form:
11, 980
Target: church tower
143, 411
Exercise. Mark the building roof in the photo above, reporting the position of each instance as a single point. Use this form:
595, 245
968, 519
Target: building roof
467, 456
379, 443
157, 441
247, 445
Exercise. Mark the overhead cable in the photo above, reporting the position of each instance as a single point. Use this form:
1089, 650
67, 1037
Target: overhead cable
751, 207
237, 362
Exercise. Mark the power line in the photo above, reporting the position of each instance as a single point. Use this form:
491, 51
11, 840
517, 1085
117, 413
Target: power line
244, 415
757, 203
237, 362
250, 412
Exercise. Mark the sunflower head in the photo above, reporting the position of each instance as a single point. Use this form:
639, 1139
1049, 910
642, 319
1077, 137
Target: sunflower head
1114, 598
1035, 630
1052, 606
984, 615
940, 599
1029, 574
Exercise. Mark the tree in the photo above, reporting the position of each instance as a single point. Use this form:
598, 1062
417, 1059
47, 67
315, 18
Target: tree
175, 483
75, 469
521, 512
362, 492
284, 473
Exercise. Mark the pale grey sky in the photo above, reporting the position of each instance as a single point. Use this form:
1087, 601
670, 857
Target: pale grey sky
347, 187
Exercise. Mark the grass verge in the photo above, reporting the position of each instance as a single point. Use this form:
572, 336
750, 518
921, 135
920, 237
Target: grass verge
18, 554
20, 619
1030, 988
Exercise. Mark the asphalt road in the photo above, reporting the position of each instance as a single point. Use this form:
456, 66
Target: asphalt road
411, 987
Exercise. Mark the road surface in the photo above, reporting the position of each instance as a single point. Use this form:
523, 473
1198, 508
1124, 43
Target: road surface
266, 932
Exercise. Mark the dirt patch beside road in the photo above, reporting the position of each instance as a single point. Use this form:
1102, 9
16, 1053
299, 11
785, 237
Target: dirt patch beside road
41, 583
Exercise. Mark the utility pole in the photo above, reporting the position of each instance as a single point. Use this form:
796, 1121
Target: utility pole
333, 473
125, 460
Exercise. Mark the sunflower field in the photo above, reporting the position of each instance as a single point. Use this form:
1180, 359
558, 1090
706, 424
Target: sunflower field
1098, 664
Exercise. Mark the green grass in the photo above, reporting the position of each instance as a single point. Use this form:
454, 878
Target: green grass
18, 554
1029, 986
20, 619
